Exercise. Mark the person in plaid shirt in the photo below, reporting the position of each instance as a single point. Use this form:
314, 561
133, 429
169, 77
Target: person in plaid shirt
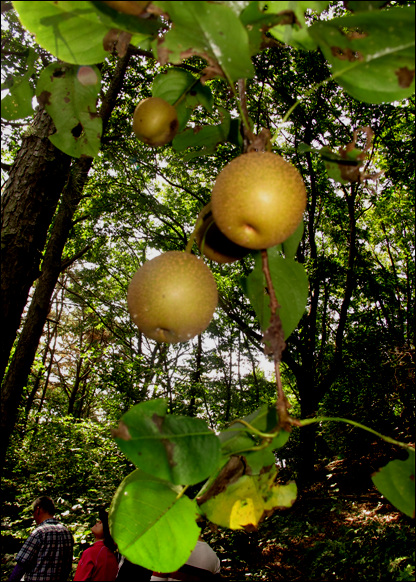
46, 555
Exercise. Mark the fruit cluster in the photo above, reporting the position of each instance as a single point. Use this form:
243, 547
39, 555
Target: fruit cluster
257, 202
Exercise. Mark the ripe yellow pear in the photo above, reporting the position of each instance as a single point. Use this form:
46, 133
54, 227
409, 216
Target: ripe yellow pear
172, 297
213, 243
155, 121
258, 200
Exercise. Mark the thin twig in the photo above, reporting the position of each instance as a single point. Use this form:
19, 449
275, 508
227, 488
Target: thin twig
274, 341
248, 134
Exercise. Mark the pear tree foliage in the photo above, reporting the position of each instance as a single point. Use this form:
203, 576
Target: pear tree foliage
370, 53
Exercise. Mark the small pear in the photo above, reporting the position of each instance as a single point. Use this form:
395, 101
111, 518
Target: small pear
155, 121
213, 243
172, 297
258, 200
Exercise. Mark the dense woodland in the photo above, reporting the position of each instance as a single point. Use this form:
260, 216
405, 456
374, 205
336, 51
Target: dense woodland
74, 231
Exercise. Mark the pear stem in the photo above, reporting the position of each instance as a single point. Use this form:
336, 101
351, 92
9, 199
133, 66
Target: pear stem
242, 102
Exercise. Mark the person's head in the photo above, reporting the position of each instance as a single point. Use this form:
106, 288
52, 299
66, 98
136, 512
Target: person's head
98, 530
43, 508
101, 530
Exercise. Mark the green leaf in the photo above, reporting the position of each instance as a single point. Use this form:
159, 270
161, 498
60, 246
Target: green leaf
181, 89
336, 165
137, 25
371, 53
18, 103
206, 138
258, 460
72, 106
150, 525
210, 30
179, 449
396, 481
247, 501
254, 286
234, 438
72, 31
364, 5
238, 440
293, 29
290, 283
290, 245
257, 21
291, 286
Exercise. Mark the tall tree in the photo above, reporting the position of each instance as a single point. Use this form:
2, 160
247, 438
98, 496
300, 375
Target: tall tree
29, 201
18, 371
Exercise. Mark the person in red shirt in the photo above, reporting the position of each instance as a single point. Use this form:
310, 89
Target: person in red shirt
99, 562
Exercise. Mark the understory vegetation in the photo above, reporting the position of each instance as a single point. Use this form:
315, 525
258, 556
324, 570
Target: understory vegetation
340, 527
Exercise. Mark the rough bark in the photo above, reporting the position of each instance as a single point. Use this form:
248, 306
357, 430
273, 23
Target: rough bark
29, 201
19, 369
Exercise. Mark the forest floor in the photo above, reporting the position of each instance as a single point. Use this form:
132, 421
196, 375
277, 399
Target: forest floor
341, 528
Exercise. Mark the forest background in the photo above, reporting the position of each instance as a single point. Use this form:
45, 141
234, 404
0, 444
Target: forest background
75, 363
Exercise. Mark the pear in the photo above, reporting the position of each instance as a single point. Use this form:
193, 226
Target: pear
213, 243
258, 200
172, 297
155, 121
134, 8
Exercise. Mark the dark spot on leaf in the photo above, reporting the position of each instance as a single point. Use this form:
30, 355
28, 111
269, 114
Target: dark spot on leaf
43, 98
346, 54
230, 473
158, 420
169, 445
288, 17
169, 448
67, 99
412, 477
77, 130
122, 432
356, 34
58, 73
193, 92
405, 77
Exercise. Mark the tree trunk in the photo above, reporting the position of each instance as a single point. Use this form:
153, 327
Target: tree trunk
29, 201
196, 377
19, 369
312, 383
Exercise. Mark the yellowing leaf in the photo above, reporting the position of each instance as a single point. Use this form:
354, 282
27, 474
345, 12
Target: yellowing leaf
249, 500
